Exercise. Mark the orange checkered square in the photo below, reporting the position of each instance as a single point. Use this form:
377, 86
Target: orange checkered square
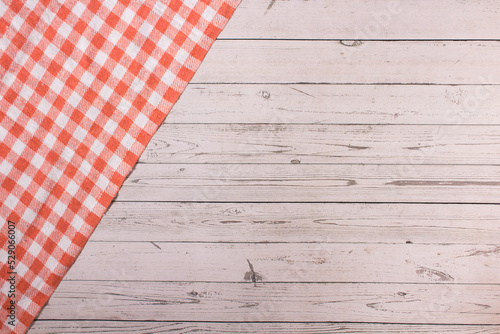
83, 86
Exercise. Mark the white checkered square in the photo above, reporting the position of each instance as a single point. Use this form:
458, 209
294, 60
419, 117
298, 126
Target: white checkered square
97, 147
96, 23
62, 120
90, 203
37, 160
72, 188
64, 30
8, 79
79, 134
59, 208
132, 50
87, 78
18, 147
137, 85
101, 58
51, 263
208, 13
24, 181
64, 243
92, 113
181, 56
114, 161
57, 86
44, 106
119, 71
34, 249
41, 195
105, 92
146, 28
11, 202
29, 216
51, 51
13, 113
31, 126
50, 140
128, 15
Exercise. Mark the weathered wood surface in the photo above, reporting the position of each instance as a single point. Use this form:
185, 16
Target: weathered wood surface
300, 222
267, 302
337, 104
289, 262
312, 183
135, 327
373, 62
365, 19
355, 144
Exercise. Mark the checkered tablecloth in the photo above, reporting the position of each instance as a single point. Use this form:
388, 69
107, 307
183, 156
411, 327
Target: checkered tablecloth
83, 87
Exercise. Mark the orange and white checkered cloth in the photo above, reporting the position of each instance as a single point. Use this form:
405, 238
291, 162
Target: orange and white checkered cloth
84, 84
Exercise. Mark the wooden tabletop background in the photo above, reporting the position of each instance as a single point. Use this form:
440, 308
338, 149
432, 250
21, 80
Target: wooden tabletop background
334, 167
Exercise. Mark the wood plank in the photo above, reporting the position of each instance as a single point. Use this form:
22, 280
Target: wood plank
300, 222
356, 144
167, 301
312, 183
288, 262
134, 327
365, 19
337, 104
373, 62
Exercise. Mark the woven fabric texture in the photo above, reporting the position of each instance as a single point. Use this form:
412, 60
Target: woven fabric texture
83, 87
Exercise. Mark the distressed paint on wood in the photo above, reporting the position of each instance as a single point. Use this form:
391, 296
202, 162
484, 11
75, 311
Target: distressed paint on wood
300, 84
365, 19
312, 183
354, 144
337, 104
373, 62
300, 222
183, 301
289, 262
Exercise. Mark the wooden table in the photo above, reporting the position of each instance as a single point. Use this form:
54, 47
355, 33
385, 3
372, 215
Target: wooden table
332, 168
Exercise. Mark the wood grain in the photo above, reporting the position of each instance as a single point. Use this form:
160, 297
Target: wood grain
373, 62
134, 327
337, 104
365, 19
331, 168
288, 262
168, 301
300, 222
354, 144
312, 183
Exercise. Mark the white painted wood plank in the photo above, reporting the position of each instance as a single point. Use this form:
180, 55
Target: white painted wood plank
271, 61
337, 104
288, 262
312, 183
167, 301
356, 144
365, 19
134, 327
300, 222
